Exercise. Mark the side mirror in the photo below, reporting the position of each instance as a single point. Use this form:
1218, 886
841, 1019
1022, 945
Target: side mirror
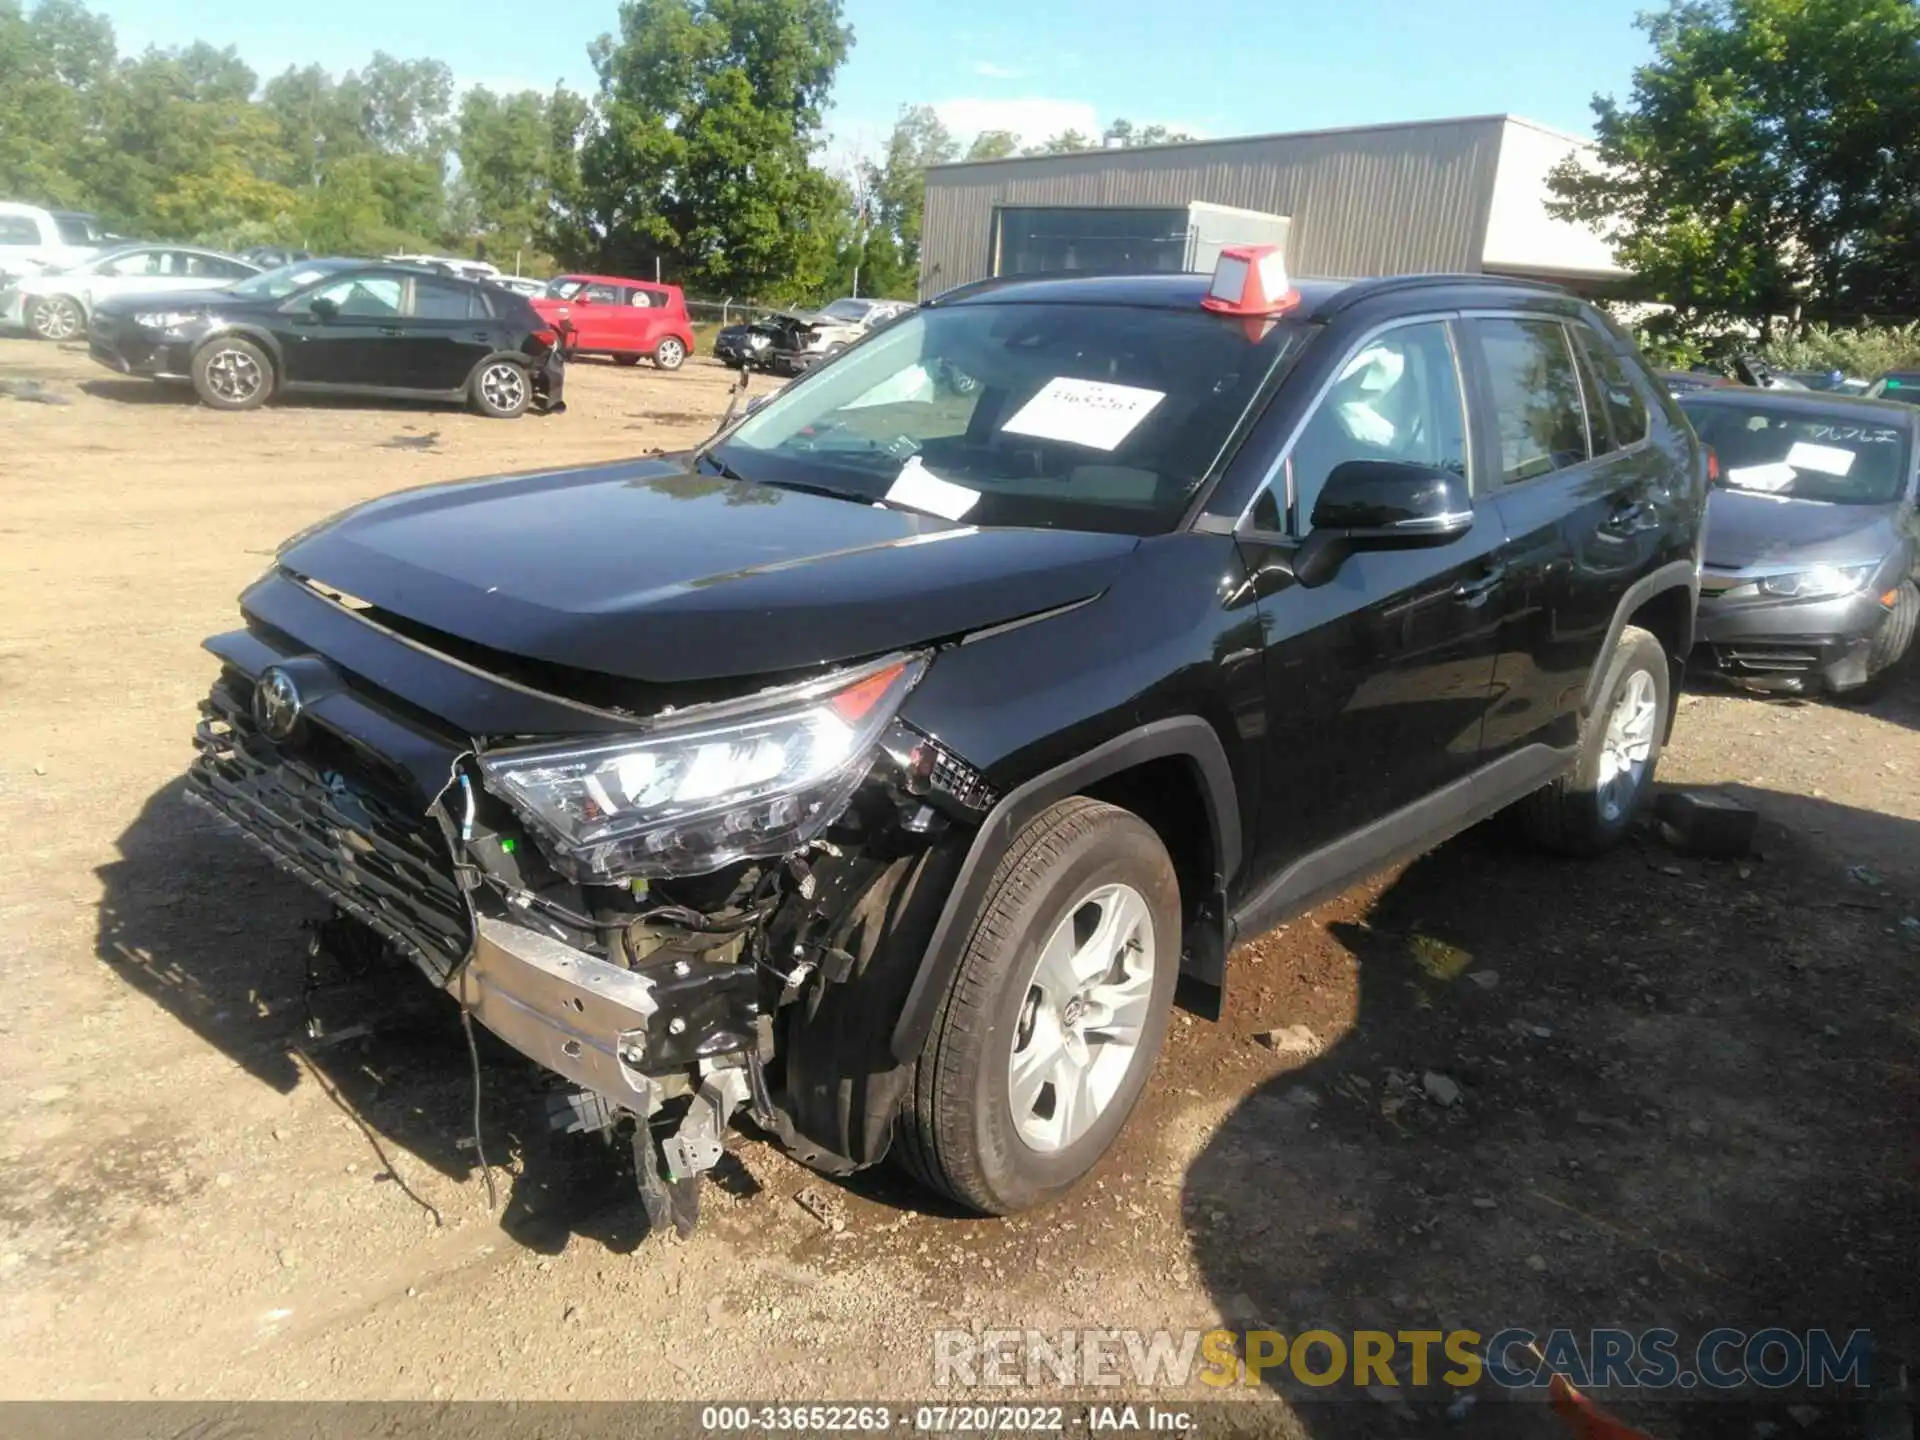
323, 308
1381, 505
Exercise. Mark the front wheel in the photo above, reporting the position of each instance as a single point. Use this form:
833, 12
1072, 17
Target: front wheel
232, 374
501, 389
1593, 808
669, 354
57, 317
1047, 1033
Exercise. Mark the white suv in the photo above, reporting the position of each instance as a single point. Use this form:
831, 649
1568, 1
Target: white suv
57, 304
32, 239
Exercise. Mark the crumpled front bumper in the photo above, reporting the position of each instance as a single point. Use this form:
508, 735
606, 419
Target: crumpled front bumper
1789, 645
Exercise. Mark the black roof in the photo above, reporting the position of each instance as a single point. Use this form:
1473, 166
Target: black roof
1798, 402
1319, 297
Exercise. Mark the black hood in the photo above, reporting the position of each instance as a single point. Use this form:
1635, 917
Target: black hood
1750, 529
652, 572
154, 301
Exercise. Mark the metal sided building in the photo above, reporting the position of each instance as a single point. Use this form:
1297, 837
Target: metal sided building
1463, 196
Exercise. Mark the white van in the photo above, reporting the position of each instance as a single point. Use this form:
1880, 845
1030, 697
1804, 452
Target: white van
33, 239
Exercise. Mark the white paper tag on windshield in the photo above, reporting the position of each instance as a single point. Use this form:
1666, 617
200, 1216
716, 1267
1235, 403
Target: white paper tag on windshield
1084, 412
1776, 476
918, 488
1827, 459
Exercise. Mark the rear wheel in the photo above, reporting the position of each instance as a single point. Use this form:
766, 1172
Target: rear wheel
1592, 809
1049, 1029
501, 389
56, 317
232, 374
670, 353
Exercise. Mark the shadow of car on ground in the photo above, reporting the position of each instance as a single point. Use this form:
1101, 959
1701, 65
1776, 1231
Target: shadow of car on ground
1686, 1097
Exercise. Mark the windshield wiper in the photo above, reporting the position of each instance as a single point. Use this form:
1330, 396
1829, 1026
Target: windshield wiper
725, 471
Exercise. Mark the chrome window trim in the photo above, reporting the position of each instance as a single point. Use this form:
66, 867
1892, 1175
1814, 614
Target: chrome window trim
1281, 466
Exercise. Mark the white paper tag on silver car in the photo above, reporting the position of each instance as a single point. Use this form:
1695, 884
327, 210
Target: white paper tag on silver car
1776, 476
1827, 459
918, 488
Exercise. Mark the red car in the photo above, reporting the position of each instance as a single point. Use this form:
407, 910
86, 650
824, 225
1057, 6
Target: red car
622, 318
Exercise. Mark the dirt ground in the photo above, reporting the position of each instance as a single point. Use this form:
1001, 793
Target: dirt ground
1690, 1092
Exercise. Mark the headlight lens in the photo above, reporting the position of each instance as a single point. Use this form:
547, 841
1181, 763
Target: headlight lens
727, 783
1820, 581
164, 319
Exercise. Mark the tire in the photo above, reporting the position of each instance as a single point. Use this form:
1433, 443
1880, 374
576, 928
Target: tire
56, 318
670, 353
1581, 813
1078, 870
626, 359
501, 389
230, 373
1890, 647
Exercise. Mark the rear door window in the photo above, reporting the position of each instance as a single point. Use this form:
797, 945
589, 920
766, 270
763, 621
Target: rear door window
1619, 397
18, 230
1538, 419
435, 300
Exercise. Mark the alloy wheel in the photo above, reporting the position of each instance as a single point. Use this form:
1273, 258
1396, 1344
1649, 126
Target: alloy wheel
1081, 1018
669, 354
235, 376
56, 319
1628, 743
504, 386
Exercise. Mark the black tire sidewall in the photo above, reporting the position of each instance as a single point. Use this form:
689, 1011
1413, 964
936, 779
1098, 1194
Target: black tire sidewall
1124, 850
205, 355
1637, 650
1894, 641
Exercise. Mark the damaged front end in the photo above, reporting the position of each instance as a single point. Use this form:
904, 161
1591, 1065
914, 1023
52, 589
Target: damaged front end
685, 915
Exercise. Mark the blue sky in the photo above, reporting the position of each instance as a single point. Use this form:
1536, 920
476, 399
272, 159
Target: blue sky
1222, 68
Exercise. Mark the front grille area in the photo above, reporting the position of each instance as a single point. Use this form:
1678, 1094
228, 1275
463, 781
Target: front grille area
324, 814
1762, 659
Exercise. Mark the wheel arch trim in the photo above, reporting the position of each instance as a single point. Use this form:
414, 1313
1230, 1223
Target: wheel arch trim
1675, 575
1185, 737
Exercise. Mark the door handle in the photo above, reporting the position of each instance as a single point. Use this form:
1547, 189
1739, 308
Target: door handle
1476, 593
391, 330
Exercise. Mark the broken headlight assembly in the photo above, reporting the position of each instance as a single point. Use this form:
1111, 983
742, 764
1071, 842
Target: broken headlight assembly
699, 790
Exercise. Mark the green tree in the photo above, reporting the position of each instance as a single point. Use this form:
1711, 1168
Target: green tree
709, 113
53, 62
1764, 163
516, 163
894, 195
993, 145
1121, 134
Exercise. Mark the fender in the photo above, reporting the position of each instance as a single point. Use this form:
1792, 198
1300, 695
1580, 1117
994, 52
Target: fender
1675, 575
246, 330
519, 357
1185, 736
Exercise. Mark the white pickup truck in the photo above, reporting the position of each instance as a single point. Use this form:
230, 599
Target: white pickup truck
33, 240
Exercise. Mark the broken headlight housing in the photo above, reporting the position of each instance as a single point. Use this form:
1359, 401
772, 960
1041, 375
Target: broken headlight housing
699, 790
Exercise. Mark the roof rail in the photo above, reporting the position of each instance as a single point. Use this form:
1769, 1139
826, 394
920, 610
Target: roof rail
1392, 284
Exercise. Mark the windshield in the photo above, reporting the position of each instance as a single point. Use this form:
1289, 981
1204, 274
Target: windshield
1837, 457
1089, 417
1899, 385
854, 310
274, 284
76, 229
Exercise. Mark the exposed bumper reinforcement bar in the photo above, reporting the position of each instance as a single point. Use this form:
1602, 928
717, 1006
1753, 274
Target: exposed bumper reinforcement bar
577, 1015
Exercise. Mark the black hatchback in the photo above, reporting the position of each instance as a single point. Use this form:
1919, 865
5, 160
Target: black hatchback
340, 326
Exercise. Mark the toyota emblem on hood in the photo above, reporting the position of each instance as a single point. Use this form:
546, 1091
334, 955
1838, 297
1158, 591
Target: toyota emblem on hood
276, 703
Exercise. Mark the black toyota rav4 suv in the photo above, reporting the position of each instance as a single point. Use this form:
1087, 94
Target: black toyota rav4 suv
878, 767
